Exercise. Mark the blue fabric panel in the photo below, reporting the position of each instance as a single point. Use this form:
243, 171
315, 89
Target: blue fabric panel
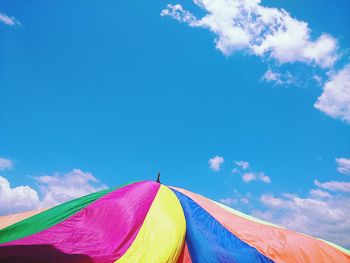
209, 241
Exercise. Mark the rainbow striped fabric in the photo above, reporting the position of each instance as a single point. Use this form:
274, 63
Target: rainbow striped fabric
152, 223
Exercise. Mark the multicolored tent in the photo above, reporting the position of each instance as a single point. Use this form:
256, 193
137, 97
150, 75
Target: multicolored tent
150, 222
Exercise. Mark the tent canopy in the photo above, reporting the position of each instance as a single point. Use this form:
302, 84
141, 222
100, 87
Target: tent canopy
150, 222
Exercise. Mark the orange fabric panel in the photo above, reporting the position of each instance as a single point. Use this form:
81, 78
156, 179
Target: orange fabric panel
185, 255
281, 245
11, 219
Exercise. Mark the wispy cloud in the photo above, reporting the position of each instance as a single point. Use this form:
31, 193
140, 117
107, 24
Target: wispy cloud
318, 193
336, 186
242, 164
215, 163
248, 174
228, 201
343, 165
248, 177
5, 164
8, 20
279, 79
253, 176
237, 200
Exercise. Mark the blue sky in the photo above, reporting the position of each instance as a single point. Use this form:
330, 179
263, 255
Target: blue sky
117, 91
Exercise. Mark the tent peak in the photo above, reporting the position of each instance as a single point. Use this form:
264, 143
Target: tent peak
158, 177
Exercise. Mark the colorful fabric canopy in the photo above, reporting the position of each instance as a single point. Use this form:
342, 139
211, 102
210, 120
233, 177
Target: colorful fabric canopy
152, 223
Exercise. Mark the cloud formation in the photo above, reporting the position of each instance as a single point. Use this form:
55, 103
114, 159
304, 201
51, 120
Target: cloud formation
262, 31
343, 165
278, 78
53, 189
7, 20
228, 201
16, 199
273, 34
335, 99
215, 163
335, 186
248, 175
5, 164
238, 200
62, 187
320, 214
242, 164
323, 213
253, 176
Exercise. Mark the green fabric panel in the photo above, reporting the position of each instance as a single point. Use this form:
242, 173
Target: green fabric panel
50, 217
346, 251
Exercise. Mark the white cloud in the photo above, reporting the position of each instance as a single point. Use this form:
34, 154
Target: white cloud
248, 177
228, 201
242, 164
53, 189
318, 193
335, 99
320, 214
59, 188
244, 200
16, 199
237, 200
267, 32
264, 178
5, 164
252, 176
335, 186
318, 79
279, 79
7, 20
178, 13
215, 163
271, 201
343, 165
263, 31
271, 76
233, 201
323, 213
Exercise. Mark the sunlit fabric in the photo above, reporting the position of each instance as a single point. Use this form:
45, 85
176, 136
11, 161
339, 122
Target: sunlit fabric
152, 223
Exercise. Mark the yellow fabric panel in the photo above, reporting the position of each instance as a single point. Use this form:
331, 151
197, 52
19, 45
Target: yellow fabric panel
162, 235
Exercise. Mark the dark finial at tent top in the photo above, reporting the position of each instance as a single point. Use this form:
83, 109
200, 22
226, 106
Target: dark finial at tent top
158, 177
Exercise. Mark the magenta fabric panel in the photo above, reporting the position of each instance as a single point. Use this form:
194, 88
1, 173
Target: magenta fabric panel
39, 254
103, 231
